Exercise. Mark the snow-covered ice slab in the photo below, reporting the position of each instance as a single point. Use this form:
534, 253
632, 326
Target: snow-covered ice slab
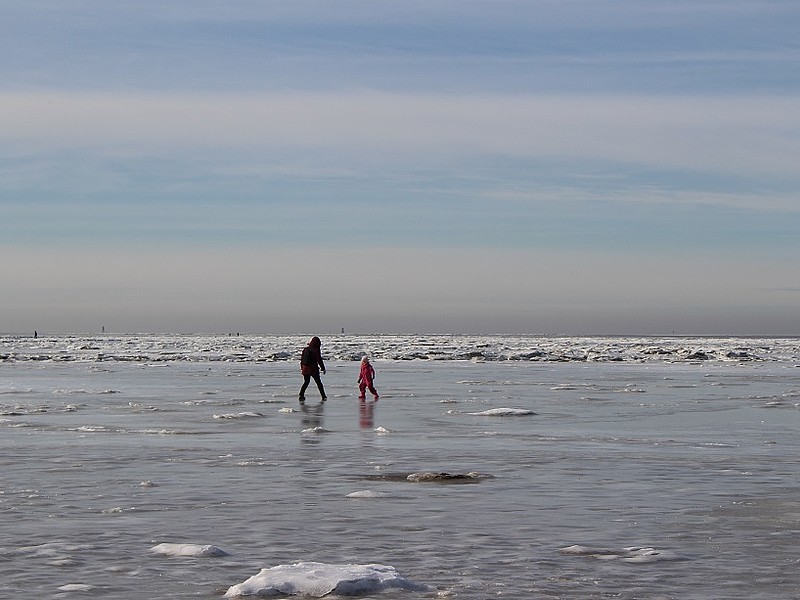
503, 412
367, 494
631, 554
194, 550
318, 579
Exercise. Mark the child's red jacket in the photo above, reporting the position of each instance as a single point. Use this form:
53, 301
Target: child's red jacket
367, 373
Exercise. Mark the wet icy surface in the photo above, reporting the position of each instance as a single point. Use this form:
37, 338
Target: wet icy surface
582, 479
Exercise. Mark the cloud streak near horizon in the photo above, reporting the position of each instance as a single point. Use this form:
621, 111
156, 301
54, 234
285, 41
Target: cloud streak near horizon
661, 139
722, 133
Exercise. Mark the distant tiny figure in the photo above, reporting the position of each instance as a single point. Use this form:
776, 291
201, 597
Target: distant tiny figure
35, 334
365, 379
310, 366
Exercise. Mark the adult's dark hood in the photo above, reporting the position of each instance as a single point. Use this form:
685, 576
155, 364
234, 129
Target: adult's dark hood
315, 342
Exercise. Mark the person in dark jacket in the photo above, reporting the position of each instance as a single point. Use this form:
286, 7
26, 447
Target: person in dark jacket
311, 364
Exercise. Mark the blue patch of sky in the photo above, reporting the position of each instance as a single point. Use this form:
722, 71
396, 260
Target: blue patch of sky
354, 211
726, 51
464, 53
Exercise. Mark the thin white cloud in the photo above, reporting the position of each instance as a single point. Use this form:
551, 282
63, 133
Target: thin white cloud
649, 194
752, 134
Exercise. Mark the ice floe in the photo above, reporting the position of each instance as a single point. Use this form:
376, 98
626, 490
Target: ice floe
75, 587
367, 494
241, 415
630, 554
319, 579
190, 550
503, 412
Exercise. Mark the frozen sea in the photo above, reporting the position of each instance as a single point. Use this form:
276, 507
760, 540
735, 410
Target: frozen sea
183, 466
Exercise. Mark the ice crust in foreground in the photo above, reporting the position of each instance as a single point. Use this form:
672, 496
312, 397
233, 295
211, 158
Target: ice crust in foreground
318, 579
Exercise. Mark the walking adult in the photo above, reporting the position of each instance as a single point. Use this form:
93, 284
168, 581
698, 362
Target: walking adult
311, 364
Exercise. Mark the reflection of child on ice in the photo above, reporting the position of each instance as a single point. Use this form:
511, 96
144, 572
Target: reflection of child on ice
365, 378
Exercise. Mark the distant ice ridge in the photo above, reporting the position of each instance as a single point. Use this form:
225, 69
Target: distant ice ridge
271, 348
319, 579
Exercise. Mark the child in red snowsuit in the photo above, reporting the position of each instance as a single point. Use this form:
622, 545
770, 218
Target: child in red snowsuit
365, 378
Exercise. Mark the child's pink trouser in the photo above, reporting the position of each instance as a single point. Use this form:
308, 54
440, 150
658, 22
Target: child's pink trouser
363, 388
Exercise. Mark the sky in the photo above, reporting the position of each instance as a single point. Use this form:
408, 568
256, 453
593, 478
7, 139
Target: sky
571, 167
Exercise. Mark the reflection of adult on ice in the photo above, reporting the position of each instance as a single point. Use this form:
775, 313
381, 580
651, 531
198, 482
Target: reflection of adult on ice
310, 365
